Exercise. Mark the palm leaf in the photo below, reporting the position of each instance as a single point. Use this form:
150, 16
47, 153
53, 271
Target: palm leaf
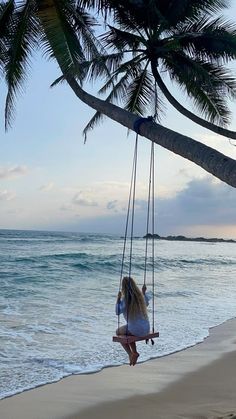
6, 11
23, 38
60, 39
69, 38
97, 117
120, 40
103, 66
119, 83
83, 23
100, 5
140, 93
178, 11
117, 94
137, 15
213, 40
205, 83
60, 79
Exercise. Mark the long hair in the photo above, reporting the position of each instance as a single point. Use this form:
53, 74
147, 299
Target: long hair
134, 299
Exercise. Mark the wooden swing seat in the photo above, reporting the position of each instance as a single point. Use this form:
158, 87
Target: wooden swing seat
130, 338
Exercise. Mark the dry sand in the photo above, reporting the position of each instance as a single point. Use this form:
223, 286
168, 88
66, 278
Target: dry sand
199, 382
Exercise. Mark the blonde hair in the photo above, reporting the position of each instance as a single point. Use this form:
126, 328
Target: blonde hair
134, 299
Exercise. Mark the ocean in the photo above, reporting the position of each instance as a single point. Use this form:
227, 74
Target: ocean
58, 293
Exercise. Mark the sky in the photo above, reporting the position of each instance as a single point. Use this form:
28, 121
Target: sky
51, 180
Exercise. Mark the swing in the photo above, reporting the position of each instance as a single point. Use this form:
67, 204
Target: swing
131, 338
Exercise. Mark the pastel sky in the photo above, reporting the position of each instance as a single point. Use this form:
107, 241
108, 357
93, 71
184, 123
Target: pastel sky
51, 180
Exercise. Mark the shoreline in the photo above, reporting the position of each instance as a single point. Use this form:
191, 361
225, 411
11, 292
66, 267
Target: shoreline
35, 387
97, 371
86, 395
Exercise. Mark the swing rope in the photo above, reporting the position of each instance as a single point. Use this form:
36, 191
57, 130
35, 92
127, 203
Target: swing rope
131, 207
133, 204
153, 240
148, 216
151, 202
132, 192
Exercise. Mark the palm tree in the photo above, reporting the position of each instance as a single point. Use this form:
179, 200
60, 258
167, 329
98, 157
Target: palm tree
178, 38
65, 32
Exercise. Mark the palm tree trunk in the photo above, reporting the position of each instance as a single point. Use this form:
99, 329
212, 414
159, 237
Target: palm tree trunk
211, 160
205, 124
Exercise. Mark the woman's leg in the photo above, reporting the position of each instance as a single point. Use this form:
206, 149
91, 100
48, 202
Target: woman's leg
123, 331
135, 354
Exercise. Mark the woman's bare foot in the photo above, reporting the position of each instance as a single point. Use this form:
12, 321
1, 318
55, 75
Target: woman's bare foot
134, 358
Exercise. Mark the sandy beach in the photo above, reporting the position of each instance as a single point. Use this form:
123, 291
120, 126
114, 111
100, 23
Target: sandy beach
199, 382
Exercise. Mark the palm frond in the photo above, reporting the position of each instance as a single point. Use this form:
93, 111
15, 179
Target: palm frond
59, 80
224, 79
94, 4
208, 75
6, 10
178, 11
206, 84
102, 6
70, 40
140, 16
97, 117
213, 40
84, 25
60, 39
6, 16
103, 66
120, 40
133, 66
118, 83
117, 94
129, 14
211, 104
118, 87
23, 38
157, 105
140, 93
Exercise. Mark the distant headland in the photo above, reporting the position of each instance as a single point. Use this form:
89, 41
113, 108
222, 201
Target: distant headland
188, 239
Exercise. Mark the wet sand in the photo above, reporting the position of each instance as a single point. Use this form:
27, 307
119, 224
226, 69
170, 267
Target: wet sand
199, 382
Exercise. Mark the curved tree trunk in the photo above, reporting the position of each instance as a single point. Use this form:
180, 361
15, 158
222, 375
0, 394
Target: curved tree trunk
206, 124
211, 160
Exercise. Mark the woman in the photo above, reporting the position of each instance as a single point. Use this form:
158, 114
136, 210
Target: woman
133, 304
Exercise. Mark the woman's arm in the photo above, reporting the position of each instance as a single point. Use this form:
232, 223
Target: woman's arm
144, 289
118, 297
119, 304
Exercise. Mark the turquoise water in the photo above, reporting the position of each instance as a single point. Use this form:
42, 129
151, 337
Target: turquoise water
57, 296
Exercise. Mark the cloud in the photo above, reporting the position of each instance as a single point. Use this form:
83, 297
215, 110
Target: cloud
219, 142
66, 207
6, 195
11, 172
112, 205
202, 202
83, 200
202, 207
105, 196
111, 185
116, 206
48, 187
